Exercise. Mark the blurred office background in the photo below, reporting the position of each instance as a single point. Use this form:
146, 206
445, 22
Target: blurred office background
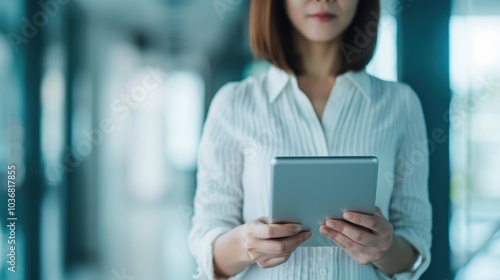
102, 105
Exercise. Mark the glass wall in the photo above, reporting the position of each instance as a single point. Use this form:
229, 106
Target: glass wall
475, 134
12, 137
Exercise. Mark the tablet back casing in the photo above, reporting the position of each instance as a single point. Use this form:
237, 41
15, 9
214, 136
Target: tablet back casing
309, 190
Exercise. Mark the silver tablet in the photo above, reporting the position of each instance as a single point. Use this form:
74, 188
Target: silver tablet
309, 190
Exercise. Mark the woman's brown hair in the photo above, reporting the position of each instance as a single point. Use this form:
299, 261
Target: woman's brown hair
271, 35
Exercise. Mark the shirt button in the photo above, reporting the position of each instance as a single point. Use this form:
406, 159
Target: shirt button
323, 271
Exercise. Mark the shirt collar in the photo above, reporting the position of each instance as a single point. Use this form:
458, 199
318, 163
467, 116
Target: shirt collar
277, 79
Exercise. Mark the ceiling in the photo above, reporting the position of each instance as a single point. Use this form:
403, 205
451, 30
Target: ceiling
196, 24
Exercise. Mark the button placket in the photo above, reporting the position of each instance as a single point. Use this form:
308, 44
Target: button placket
327, 121
313, 119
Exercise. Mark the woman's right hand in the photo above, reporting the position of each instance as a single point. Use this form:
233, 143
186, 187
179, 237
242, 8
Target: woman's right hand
270, 245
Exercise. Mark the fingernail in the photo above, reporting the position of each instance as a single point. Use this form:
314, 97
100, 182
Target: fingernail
308, 235
331, 224
323, 230
297, 229
347, 216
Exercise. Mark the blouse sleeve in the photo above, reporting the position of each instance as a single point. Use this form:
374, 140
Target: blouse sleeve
410, 210
219, 195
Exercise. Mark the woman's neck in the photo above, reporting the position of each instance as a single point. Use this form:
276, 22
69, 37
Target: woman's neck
318, 60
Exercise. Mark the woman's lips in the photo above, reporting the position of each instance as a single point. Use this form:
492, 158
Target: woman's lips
322, 17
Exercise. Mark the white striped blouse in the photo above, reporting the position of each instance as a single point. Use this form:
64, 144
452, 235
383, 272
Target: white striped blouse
251, 121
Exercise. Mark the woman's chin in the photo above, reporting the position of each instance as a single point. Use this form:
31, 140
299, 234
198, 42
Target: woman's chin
321, 38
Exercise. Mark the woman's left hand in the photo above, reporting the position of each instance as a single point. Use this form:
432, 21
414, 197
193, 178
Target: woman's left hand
362, 245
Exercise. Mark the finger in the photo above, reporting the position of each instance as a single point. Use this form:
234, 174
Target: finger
355, 233
374, 223
261, 229
282, 245
291, 243
343, 241
354, 255
264, 220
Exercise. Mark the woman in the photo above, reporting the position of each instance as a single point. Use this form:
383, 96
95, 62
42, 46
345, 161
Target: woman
316, 99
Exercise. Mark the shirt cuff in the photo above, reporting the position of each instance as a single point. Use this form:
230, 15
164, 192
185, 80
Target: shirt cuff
205, 257
420, 265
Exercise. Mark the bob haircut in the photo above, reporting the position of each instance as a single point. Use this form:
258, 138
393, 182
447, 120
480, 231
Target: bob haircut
271, 36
